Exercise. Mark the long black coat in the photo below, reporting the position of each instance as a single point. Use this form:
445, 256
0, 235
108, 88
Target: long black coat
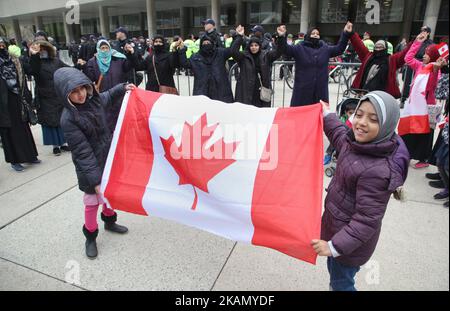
49, 106
85, 128
165, 62
248, 79
311, 69
211, 70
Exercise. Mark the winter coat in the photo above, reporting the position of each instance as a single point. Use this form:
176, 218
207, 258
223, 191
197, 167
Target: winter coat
213, 72
396, 61
165, 62
86, 129
311, 69
49, 107
416, 66
117, 73
248, 79
365, 177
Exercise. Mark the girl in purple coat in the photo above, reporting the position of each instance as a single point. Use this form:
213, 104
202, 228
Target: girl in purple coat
372, 165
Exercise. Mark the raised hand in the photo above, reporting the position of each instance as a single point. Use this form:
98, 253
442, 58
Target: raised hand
129, 48
281, 30
348, 27
240, 30
35, 48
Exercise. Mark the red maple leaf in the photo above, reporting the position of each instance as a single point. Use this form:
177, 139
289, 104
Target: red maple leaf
189, 159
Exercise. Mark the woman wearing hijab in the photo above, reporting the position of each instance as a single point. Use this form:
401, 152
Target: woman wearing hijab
17, 140
210, 74
254, 66
420, 114
107, 69
378, 71
44, 62
160, 64
311, 64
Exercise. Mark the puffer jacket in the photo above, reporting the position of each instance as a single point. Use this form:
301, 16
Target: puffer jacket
366, 176
85, 126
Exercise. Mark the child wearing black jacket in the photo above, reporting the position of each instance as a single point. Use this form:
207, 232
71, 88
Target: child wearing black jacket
83, 121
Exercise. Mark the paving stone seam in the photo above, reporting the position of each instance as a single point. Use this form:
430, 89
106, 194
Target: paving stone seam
42, 273
33, 179
40, 205
224, 264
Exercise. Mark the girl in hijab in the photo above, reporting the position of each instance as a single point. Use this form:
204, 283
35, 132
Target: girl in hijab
17, 140
107, 69
419, 116
311, 64
255, 65
372, 165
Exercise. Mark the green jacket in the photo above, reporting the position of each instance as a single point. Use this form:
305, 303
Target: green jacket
190, 47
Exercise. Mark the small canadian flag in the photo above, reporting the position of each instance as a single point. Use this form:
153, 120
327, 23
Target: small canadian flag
443, 50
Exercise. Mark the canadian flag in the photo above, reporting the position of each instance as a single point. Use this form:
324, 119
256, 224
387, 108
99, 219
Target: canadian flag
249, 174
443, 50
414, 117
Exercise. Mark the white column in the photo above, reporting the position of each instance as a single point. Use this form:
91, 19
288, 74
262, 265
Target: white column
151, 18
67, 30
215, 13
304, 16
104, 21
431, 15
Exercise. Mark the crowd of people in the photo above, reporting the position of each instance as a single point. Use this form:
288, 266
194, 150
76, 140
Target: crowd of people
78, 108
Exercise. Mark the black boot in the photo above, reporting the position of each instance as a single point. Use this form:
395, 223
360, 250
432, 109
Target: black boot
110, 224
91, 244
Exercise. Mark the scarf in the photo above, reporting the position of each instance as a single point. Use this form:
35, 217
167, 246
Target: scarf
376, 72
104, 57
8, 72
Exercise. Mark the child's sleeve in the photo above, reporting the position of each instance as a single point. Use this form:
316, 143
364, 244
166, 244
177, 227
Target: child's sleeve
335, 130
108, 96
372, 197
82, 153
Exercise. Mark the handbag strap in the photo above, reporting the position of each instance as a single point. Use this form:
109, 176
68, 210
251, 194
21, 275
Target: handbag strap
154, 69
259, 77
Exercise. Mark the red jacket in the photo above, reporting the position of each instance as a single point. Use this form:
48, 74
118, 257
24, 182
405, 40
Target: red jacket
396, 61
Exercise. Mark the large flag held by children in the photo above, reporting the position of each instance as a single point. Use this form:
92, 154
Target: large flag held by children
244, 173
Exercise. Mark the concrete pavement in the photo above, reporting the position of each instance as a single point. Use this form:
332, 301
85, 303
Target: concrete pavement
42, 246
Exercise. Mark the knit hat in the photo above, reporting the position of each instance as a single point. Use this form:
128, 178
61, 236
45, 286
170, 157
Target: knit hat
433, 52
258, 28
123, 30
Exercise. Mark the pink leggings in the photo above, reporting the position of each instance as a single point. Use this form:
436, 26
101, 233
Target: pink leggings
90, 216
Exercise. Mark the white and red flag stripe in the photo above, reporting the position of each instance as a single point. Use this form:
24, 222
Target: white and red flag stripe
248, 174
414, 117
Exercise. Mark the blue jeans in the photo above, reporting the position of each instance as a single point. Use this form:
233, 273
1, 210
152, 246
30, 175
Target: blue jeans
342, 278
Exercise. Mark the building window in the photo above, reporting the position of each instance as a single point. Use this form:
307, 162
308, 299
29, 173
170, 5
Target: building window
168, 19
198, 16
264, 12
131, 22
228, 15
114, 23
419, 13
333, 12
90, 26
443, 13
291, 11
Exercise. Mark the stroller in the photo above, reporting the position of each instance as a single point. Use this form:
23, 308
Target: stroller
350, 100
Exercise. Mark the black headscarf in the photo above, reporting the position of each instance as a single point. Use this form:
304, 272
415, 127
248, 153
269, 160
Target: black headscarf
313, 42
159, 48
376, 72
207, 50
256, 57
